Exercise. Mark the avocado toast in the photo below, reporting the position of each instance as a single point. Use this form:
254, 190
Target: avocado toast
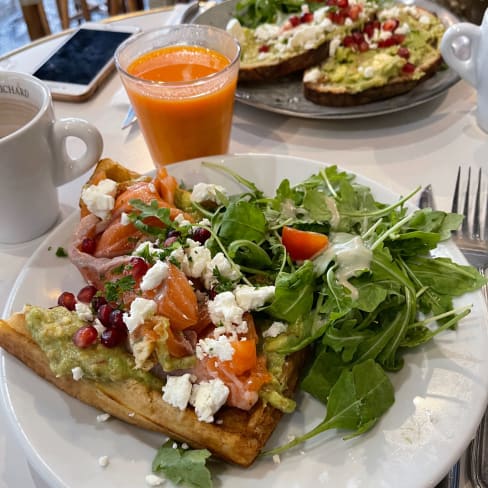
390, 55
371, 51
296, 36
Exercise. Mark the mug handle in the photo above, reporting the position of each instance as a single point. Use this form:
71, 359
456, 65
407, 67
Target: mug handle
465, 67
69, 168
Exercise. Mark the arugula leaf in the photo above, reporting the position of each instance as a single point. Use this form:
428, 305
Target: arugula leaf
242, 220
293, 294
446, 277
356, 402
183, 466
251, 13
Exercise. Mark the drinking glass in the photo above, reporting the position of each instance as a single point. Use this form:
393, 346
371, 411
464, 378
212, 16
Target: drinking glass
181, 119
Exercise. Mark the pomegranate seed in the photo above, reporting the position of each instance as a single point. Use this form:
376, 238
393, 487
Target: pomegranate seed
403, 52
390, 25
88, 245
408, 68
337, 17
103, 314
357, 36
363, 46
332, 3
369, 29
116, 319
169, 240
306, 17
173, 233
387, 42
85, 336
349, 41
139, 267
263, 49
67, 300
343, 3
200, 235
97, 302
294, 20
86, 294
113, 337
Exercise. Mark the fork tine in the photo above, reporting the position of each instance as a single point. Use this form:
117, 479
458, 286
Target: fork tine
465, 225
477, 205
455, 198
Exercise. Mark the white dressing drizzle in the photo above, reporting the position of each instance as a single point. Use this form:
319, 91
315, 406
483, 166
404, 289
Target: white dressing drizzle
350, 255
335, 218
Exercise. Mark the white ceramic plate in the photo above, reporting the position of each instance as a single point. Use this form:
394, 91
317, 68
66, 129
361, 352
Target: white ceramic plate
440, 393
285, 95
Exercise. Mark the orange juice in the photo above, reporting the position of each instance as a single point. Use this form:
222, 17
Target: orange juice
185, 111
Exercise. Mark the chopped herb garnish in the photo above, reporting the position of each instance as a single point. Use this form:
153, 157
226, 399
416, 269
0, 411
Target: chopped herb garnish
61, 253
114, 289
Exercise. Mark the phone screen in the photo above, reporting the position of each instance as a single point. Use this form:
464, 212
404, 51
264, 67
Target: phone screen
82, 57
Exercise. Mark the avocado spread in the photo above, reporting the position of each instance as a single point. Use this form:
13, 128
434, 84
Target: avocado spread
353, 71
53, 329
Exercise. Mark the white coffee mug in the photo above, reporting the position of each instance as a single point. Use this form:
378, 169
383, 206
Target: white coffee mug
464, 48
33, 156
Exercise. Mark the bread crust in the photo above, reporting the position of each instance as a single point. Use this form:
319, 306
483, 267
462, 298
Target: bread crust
278, 69
237, 436
323, 94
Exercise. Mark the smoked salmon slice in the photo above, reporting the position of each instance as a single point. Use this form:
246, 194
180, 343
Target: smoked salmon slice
177, 300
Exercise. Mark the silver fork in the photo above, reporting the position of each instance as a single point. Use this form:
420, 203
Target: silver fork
472, 240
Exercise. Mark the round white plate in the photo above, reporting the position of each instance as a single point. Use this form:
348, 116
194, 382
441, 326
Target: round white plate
440, 393
285, 95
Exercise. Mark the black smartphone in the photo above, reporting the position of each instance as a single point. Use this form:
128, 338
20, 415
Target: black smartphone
76, 68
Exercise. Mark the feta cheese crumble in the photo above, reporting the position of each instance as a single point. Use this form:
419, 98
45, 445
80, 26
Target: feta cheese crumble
275, 329
220, 348
207, 192
140, 310
77, 373
84, 311
177, 390
224, 311
208, 398
154, 276
250, 297
154, 480
103, 417
99, 198
103, 461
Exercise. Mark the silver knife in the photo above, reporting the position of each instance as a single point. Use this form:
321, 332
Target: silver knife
130, 118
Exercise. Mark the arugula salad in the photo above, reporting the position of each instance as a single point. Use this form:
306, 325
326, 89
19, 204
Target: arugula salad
355, 284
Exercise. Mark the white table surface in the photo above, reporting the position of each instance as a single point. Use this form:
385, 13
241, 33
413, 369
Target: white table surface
401, 151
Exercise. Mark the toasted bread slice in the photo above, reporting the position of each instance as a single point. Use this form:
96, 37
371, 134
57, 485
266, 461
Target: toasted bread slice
295, 41
237, 437
366, 69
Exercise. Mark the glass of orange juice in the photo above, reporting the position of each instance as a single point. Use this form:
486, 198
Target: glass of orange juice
181, 81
